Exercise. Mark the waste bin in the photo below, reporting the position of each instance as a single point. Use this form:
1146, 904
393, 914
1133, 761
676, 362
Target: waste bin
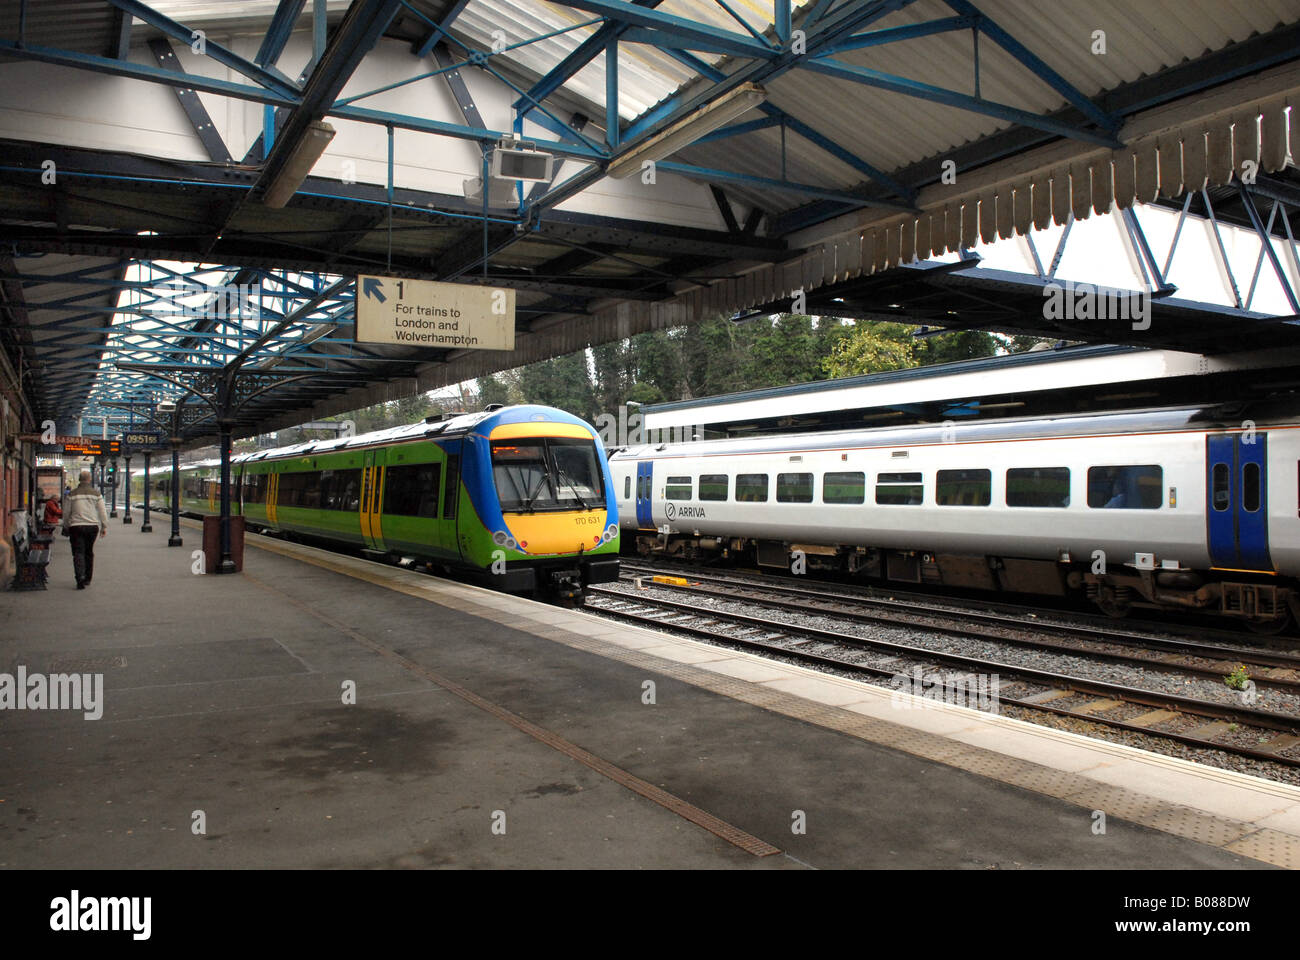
212, 544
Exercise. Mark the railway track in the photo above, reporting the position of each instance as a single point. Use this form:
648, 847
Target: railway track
1204, 723
1222, 644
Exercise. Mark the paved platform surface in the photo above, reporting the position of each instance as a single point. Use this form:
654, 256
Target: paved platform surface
489, 731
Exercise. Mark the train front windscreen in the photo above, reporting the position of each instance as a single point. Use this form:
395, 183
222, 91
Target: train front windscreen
547, 473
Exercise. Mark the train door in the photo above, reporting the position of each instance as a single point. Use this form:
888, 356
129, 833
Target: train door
1237, 507
447, 536
644, 481
372, 503
273, 497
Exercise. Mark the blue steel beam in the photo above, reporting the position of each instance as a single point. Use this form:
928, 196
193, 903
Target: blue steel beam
268, 77
780, 20
1040, 69
277, 34
364, 23
736, 129
422, 48
952, 98
576, 151
769, 183
611, 94
136, 71
1266, 239
624, 12
874, 38
664, 40
779, 116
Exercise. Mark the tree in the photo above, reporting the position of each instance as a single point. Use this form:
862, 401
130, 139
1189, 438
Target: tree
871, 347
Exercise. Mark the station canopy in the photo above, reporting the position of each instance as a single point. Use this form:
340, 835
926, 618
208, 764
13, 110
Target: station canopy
189, 189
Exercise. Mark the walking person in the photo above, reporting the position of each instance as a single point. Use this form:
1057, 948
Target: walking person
85, 518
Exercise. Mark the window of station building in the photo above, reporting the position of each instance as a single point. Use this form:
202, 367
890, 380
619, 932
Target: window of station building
1221, 487
677, 488
713, 486
751, 488
844, 487
1126, 487
794, 488
1038, 487
412, 491
899, 488
1250, 492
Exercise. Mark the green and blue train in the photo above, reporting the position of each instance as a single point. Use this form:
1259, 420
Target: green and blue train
515, 497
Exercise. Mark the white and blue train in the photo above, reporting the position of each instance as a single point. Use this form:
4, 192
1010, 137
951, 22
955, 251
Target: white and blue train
1174, 508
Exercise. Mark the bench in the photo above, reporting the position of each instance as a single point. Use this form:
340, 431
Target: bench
31, 563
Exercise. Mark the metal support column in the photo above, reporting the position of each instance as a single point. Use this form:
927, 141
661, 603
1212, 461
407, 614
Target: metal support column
145, 526
112, 492
227, 564
175, 539
126, 494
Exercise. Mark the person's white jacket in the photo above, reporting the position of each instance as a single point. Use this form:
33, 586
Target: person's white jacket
85, 508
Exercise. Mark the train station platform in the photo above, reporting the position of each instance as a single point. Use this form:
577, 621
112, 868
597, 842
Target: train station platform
490, 731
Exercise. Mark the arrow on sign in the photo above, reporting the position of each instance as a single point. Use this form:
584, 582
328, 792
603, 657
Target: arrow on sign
373, 287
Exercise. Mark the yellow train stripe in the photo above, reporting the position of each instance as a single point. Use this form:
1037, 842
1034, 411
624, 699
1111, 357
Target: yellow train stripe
511, 431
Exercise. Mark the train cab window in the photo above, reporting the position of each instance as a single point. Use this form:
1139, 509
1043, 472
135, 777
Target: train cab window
1250, 492
1126, 487
794, 488
751, 488
899, 488
677, 488
963, 488
1221, 487
846, 487
627, 487
713, 486
1038, 487
412, 491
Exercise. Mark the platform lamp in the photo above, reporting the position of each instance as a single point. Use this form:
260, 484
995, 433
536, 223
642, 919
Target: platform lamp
299, 164
699, 122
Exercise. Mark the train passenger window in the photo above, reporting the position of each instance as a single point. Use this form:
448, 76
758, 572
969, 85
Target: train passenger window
1222, 487
1250, 494
677, 488
899, 488
794, 488
1038, 487
412, 491
963, 488
1126, 487
627, 487
751, 488
713, 486
847, 487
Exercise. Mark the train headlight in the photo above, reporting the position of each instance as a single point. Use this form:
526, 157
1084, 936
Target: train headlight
503, 539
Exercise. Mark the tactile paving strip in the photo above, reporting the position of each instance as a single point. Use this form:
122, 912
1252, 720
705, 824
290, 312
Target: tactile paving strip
1236, 836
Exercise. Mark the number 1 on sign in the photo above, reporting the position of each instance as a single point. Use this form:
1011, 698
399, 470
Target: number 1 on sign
399, 290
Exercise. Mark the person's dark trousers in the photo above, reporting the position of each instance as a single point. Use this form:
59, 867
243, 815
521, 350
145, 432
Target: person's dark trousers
83, 551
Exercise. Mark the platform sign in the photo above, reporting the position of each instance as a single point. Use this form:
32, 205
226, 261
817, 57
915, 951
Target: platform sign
81, 447
423, 313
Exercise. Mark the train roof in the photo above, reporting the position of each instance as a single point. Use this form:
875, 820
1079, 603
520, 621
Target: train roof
457, 424
1130, 421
